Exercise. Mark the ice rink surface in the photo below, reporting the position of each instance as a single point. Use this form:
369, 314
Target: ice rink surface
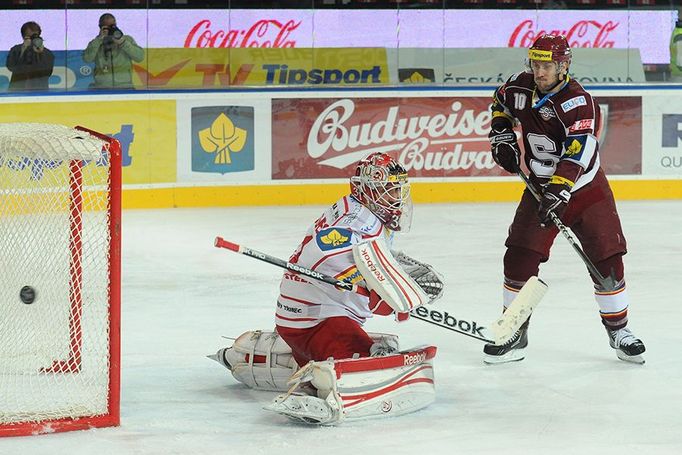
571, 395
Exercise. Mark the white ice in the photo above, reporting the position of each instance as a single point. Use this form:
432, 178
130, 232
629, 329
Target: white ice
571, 395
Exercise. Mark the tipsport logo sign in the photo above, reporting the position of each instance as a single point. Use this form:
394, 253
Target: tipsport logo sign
222, 139
284, 75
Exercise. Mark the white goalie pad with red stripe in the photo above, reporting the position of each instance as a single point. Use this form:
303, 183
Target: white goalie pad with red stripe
386, 386
385, 276
262, 360
354, 389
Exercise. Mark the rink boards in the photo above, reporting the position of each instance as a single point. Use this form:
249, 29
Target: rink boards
266, 146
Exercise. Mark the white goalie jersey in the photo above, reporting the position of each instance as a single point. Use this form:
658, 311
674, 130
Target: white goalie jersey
328, 248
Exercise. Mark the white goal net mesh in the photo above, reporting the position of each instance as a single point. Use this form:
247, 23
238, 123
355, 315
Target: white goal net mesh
54, 273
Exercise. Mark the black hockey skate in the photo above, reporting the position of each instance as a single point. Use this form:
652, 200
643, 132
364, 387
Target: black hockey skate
511, 351
628, 347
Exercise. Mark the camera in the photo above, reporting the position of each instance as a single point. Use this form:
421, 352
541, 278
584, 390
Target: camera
36, 41
114, 33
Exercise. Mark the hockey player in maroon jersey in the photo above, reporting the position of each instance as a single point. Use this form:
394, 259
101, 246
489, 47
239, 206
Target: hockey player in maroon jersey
559, 122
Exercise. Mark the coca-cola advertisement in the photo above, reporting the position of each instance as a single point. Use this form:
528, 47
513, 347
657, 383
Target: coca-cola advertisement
261, 33
431, 136
646, 30
582, 33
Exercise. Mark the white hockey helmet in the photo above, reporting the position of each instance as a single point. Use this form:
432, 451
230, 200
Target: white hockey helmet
380, 184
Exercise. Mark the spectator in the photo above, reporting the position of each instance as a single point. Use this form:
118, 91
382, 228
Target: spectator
31, 63
113, 54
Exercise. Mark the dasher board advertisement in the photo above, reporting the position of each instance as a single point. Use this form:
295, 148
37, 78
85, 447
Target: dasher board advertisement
431, 136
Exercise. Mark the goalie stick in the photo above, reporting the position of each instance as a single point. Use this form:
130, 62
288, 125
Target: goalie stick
607, 283
503, 328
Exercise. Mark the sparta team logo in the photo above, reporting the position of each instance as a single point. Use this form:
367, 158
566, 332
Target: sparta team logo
546, 113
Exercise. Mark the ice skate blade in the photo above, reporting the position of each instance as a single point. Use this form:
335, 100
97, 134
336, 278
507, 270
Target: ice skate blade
638, 359
515, 355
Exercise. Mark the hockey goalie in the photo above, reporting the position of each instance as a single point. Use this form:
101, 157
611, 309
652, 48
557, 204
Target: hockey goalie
328, 367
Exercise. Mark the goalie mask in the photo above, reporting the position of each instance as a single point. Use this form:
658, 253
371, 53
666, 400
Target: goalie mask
380, 184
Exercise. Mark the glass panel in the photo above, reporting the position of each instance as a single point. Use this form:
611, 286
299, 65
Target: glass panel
209, 44
26, 61
106, 48
421, 40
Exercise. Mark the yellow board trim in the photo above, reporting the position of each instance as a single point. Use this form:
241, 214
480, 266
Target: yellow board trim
323, 194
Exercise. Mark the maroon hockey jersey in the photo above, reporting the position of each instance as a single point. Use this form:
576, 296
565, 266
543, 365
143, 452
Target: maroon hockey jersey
556, 128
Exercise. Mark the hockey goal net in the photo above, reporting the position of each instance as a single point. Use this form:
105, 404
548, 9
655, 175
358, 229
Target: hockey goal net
59, 278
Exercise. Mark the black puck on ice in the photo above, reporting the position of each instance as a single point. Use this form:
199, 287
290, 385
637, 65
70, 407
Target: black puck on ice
27, 295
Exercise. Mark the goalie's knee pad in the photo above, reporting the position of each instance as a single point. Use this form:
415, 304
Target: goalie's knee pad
259, 359
353, 389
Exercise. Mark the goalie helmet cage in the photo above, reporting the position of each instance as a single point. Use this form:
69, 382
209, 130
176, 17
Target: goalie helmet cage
60, 215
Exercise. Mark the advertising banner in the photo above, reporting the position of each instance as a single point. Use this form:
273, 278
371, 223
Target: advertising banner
494, 66
223, 139
70, 72
646, 30
663, 135
431, 137
142, 127
214, 68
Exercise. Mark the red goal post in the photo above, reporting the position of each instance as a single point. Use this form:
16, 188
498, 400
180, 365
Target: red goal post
60, 275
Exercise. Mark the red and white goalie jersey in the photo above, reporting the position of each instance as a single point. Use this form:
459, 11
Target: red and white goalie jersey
556, 128
328, 248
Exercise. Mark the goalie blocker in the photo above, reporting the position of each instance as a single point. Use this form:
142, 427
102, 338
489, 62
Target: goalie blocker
392, 278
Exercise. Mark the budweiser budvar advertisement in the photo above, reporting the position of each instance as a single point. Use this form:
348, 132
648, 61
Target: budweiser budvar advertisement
648, 31
431, 137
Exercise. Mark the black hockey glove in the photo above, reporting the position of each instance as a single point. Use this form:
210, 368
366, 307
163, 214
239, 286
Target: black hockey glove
505, 149
555, 198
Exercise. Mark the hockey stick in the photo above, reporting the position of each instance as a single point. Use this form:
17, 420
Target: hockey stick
503, 328
607, 283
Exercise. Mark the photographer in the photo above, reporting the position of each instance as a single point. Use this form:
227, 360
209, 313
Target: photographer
113, 54
31, 63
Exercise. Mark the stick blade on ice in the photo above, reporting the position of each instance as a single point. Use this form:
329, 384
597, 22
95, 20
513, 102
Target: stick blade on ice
519, 311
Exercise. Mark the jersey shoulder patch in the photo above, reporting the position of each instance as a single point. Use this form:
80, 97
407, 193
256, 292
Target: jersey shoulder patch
573, 103
333, 238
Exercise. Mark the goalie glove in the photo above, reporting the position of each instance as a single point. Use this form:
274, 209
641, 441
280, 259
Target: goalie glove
378, 306
423, 274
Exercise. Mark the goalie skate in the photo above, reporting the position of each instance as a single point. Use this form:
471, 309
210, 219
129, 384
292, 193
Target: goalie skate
306, 408
628, 347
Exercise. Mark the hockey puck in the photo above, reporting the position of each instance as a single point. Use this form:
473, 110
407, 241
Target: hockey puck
27, 295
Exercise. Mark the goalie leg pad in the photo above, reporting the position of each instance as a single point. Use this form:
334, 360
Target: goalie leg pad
260, 359
354, 389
